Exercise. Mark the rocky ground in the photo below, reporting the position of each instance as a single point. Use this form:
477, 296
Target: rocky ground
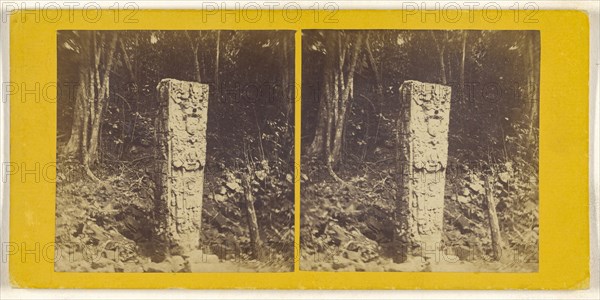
107, 227
348, 227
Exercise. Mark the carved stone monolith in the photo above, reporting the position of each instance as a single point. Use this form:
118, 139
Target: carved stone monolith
181, 156
422, 156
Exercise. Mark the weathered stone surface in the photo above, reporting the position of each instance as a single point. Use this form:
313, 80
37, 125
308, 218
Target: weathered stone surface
360, 267
132, 268
347, 269
373, 267
422, 159
181, 132
200, 262
339, 262
198, 257
464, 253
352, 255
101, 262
163, 267
177, 263
413, 264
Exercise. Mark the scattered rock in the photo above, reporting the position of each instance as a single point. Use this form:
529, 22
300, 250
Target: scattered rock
337, 233
222, 191
198, 257
449, 258
163, 267
412, 264
340, 262
234, 186
261, 174
111, 254
304, 177
177, 263
347, 269
360, 267
463, 224
476, 187
83, 266
101, 262
107, 269
372, 267
466, 192
132, 268
463, 199
352, 255
394, 268
324, 266
352, 246
504, 177
220, 198
463, 253
119, 267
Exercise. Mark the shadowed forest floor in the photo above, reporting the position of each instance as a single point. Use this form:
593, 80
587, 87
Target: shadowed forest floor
349, 228
107, 227
357, 113
112, 224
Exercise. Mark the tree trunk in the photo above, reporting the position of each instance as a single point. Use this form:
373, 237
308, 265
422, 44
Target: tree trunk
379, 92
444, 79
317, 145
344, 103
101, 97
532, 89
376, 72
285, 79
334, 104
133, 74
197, 73
78, 126
127, 61
251, 219
88, 90
73, 147
441, 48
217, 57
493, 220
462, 64
331, 85
91, 96
194, 45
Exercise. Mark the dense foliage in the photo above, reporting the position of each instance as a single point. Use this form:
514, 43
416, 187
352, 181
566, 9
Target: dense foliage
493, 135
249, 135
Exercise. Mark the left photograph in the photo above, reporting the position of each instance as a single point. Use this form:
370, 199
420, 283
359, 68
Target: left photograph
175, 151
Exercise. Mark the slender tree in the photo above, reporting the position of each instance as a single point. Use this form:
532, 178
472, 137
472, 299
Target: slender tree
342, 52
462, 62
194, 39
217, 58
97, 55
440, 46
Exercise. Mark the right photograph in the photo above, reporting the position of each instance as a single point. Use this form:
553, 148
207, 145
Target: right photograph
420, 151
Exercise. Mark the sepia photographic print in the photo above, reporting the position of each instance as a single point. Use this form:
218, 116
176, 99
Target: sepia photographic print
298, 148
175, 151
420, 151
